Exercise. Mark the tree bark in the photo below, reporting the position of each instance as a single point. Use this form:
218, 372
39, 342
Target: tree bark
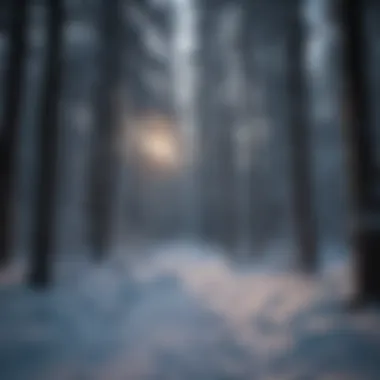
104, 160
14, 78
365, 234
304, 213
44, 237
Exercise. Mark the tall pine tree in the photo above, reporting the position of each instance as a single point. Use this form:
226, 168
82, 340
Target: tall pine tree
14, 77
365, 234
44, 236
304, 213
104, 160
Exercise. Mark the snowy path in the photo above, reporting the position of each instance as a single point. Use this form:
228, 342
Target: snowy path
180, 313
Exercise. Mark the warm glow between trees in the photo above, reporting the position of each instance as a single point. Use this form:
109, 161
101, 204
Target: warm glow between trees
157, 142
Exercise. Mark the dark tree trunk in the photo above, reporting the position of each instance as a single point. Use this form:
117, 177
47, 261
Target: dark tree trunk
104, 160
9, 131
304, 213
365, 234
5, 6
44, 237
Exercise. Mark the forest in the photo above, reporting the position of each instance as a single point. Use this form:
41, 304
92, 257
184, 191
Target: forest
180, 168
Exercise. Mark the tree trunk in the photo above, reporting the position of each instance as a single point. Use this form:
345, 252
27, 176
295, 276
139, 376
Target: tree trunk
365, 234
43, 244
304, 213
9, 131
104, 160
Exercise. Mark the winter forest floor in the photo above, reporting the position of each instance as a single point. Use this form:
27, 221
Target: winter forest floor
183, 312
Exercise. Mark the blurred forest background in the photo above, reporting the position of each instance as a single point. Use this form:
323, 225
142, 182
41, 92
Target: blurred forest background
172, 141
177, 118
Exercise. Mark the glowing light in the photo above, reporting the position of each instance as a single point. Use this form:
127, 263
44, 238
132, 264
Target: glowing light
157, 143
159, 147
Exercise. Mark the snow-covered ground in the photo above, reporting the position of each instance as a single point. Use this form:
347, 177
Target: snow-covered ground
183, 311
